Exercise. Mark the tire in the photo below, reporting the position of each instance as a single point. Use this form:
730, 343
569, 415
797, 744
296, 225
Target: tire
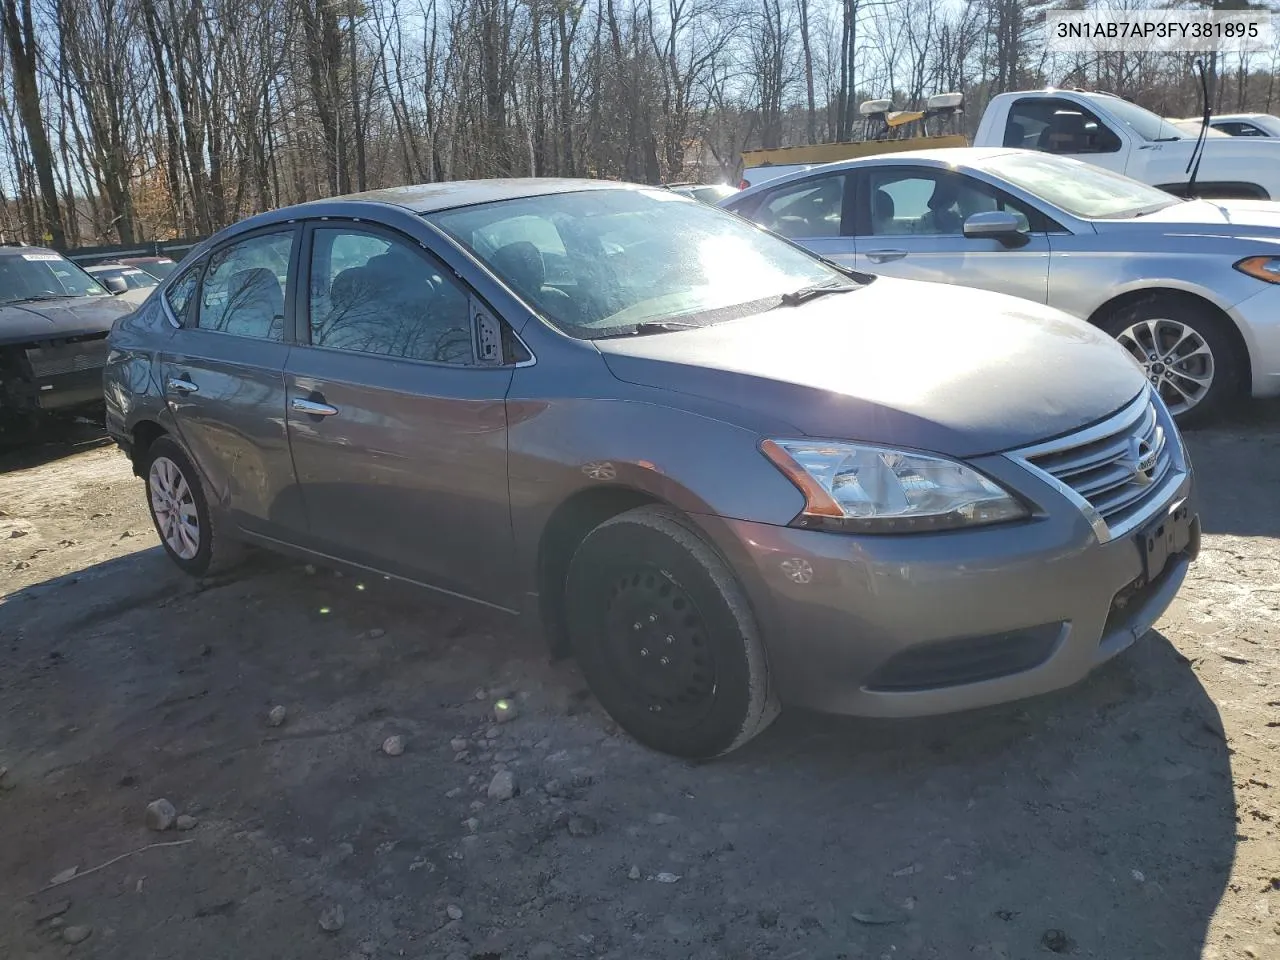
1208, 380
646, 594
199, 547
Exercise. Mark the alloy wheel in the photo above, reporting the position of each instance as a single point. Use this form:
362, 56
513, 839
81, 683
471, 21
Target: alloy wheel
1175, 358
174, 507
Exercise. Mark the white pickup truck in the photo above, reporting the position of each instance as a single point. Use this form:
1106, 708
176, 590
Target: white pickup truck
1105, 130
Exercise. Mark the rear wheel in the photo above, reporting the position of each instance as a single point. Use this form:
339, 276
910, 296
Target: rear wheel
1187, 353
665, 636
190, 535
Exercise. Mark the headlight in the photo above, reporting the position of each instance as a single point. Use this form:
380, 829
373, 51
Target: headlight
868, 489
1266, 269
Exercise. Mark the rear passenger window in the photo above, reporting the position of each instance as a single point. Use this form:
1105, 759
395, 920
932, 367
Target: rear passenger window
374, 293
243, 289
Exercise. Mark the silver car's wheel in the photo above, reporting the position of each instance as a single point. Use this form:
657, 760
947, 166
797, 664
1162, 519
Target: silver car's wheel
174, 508
1177, 360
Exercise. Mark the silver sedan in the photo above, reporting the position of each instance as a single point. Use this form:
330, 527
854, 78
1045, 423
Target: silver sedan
1190, 287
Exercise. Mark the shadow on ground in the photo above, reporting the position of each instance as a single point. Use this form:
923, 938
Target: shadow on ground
1098, 821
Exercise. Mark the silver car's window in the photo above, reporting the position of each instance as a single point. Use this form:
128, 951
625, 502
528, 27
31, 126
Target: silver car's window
911, 201
809, 209
373, 293
243, 289
601, 262
1081, 189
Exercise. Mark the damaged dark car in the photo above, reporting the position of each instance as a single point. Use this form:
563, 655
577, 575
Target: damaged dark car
54, 321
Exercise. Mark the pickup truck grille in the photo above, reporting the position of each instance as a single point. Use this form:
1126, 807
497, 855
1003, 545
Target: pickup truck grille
1120, 469
57, 361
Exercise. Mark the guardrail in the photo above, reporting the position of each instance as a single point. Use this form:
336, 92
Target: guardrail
157, 248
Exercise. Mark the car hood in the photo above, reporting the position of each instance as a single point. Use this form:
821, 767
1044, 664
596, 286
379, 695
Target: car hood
1208, 216
65, 317
930, 366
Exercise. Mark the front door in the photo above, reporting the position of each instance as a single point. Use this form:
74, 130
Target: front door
910, 223
222, 374
398, 431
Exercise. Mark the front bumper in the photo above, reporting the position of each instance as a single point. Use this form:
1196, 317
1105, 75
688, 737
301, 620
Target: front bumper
65, 376
933, 623
1258, 319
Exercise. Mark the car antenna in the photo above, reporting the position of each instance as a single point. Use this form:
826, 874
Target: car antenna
1193, 165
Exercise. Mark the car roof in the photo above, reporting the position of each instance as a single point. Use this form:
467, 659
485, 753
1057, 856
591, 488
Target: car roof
938, 157
434, 197
17, 249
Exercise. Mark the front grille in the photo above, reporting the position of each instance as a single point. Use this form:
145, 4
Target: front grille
48, 362
1121, 468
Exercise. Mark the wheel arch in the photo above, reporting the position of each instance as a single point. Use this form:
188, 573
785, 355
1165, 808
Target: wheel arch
1132, 297
565, 529
144, 434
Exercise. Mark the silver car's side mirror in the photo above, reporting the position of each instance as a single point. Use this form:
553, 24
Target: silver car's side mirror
115, 285
996, 225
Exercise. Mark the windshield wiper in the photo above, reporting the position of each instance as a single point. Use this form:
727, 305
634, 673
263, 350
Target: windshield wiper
805, 294
38, 297
651, 326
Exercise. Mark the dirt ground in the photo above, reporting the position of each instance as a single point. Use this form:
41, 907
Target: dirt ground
1132, 816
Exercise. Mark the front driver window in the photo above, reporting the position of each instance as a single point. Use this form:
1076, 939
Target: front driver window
916, 202
243, 289
808, 209
374, 293
1055, 125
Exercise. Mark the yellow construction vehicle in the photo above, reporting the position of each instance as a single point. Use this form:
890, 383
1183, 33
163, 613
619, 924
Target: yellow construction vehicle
884, 130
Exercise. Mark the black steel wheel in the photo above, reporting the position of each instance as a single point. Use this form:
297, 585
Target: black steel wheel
666, 637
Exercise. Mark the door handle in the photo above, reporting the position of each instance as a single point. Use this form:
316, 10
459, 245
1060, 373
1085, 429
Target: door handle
313, 408
181, 386
884, 256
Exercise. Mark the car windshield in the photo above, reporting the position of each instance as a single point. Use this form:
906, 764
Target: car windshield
43, 275
134, 278
1080, 189
601, 263
1147, 125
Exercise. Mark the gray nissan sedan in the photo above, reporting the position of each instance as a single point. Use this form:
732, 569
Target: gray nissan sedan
722, 472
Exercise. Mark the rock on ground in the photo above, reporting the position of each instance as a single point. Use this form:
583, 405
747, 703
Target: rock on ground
332, 918
76, 934
502, 786
160, 815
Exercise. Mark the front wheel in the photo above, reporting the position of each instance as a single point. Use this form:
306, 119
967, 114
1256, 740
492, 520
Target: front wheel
1187, 352
665, 636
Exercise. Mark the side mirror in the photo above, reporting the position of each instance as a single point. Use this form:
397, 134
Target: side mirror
996, 225
115, 285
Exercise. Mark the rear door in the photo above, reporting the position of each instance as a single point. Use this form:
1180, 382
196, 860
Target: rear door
909, 223
222, 374
398, 427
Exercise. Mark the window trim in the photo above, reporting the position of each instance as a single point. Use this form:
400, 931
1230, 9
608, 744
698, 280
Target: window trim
302, 288
1122, 137
197, 268
192, 321
1045, 226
